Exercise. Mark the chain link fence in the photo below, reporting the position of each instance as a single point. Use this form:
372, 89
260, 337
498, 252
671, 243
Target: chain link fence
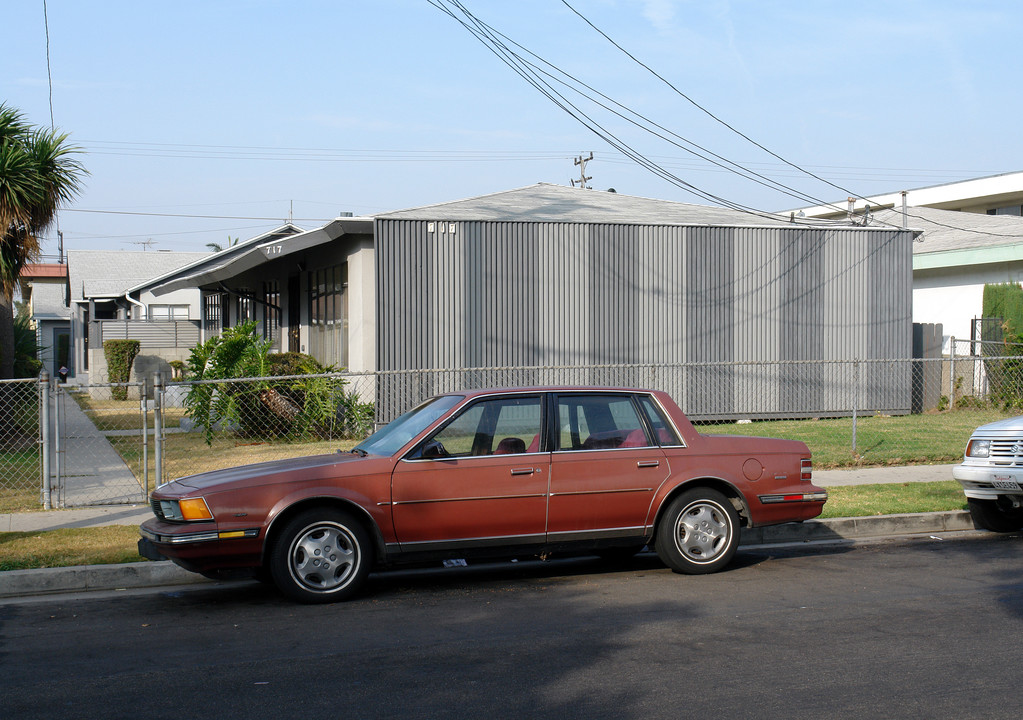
20, 458
114, 443
217, 424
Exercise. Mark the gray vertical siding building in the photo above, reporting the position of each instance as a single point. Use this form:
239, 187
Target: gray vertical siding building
713, 305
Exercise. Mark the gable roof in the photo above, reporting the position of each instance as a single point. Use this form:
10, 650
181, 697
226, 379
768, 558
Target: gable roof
546, 202
48, 302
109, 273
224, 265
222, 258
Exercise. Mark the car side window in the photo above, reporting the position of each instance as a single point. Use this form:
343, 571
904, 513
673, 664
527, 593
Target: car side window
665, 433
599, 422
494, 426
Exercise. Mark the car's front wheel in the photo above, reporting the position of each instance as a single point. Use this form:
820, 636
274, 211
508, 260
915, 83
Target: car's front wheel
698, 533
321, 555
989, 515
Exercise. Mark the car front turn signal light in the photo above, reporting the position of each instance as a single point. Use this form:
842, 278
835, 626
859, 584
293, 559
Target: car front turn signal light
194, 509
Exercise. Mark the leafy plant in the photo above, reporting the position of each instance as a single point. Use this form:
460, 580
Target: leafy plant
120, 355
26, 349
248, 400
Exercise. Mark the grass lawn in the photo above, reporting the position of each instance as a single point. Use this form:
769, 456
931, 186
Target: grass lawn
117, 544
880, 439
69, 546
893, 499
19, 480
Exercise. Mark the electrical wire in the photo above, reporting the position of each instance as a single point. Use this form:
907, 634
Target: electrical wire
529, 72
200, 217
702, 108
487, 37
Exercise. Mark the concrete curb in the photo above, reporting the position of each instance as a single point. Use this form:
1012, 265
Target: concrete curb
84, 578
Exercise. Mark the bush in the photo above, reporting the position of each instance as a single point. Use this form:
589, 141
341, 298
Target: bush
120, 355
291, 407
26, 349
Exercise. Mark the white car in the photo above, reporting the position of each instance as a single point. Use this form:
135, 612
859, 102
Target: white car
992, 475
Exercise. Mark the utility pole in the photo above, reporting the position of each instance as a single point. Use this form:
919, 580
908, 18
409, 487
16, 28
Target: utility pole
583, 178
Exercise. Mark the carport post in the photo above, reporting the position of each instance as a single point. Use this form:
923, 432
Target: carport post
158, 425
44, 434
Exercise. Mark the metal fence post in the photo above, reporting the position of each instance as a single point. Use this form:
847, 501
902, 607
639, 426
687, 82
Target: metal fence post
58, 449
44, 435
144, 409
856, 400
158, 426
952, 373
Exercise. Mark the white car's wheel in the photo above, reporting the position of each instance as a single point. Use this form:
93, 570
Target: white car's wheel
988, 515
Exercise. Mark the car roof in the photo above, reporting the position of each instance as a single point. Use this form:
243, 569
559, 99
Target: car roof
548, 388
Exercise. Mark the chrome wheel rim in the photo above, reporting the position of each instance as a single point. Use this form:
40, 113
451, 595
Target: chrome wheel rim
324, 557
703, 531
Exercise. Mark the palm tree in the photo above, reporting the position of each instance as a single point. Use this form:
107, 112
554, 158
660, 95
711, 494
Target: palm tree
38, 174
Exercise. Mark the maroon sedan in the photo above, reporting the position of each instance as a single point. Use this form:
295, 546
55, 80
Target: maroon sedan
487, 473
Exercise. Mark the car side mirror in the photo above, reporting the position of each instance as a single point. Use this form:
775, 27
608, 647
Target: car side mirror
433, 450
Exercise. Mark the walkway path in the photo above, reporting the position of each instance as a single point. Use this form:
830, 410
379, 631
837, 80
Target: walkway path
93, 472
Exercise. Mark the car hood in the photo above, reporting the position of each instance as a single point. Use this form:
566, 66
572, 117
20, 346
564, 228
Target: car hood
1013, 426
301, 468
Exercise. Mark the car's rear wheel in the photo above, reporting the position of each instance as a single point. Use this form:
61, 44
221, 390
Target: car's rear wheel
321, 555
988, 514
698, 533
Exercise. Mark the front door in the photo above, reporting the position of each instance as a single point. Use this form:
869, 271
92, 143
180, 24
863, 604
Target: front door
478, 480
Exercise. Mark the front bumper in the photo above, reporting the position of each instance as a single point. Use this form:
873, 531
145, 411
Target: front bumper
200, 547
987, 482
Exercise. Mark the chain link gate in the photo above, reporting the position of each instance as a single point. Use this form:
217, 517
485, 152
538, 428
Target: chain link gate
98, 438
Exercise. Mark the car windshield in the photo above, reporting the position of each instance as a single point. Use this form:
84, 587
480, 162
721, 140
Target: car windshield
393, 436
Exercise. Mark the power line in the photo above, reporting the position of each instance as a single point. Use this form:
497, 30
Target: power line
701, 107
532, 74
200, 217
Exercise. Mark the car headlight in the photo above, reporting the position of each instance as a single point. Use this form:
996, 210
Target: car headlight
978, 448
186, 509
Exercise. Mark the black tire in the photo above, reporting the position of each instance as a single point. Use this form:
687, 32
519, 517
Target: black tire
321, 556
989, 516
698, 533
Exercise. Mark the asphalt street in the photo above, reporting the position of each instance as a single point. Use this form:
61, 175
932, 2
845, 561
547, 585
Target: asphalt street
915, 628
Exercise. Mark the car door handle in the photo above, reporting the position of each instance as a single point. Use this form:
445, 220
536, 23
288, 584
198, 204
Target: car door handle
522, 471
648, 463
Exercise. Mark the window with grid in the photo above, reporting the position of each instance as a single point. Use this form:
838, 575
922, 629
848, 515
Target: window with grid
271, 311
328, 315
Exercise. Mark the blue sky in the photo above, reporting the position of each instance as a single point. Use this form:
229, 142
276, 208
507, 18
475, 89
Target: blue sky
250, 110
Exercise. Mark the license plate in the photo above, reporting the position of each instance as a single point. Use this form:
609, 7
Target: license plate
1005, 484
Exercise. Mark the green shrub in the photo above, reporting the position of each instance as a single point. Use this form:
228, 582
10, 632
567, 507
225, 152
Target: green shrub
26, 348
120, 355
292, 407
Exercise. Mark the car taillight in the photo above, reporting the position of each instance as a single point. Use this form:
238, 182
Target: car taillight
805, 469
